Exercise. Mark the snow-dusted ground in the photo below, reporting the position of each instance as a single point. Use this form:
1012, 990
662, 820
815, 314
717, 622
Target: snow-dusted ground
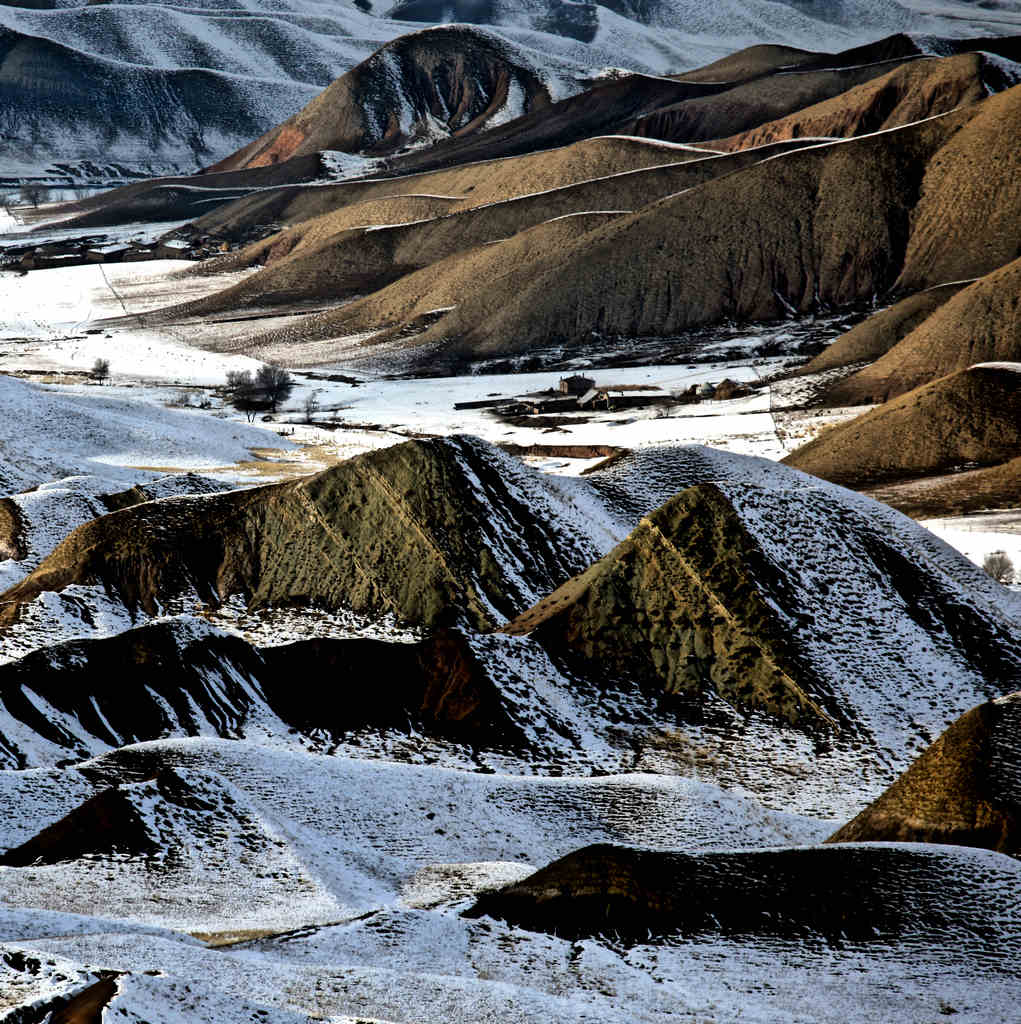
365, 862
50, 434
384, 858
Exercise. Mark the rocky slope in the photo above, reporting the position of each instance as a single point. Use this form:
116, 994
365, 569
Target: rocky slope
461, 512
729, 590
969, 418
964, 790
862, 896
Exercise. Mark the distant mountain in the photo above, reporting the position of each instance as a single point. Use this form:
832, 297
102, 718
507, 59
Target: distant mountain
175, 87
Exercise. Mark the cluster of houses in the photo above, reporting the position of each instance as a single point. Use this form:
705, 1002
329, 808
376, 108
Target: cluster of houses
75, 252
578, 392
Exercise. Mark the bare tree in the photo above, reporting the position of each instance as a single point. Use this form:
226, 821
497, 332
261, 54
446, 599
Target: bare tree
275, 384
34, 193
311, 405
243, 394
101, 370
999, 566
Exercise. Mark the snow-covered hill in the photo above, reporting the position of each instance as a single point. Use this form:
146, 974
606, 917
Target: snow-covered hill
154, 88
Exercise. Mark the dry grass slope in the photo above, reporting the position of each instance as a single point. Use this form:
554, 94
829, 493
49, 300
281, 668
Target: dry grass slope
973, 416
964, 790
918, 89
876, 336
981, 323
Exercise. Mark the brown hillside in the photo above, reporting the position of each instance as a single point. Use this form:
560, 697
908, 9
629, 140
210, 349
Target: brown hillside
965, 224
748, 63
675, 604
471, 185
970, 417
980, 324
451, 75
956, 494
964, 790
876, 336
746, 106
408, 305
312, 260
911, 92
824, 224
340, 539
828, 224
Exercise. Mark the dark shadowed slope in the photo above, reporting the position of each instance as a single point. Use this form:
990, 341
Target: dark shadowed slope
64, 106
964, 790
860, 895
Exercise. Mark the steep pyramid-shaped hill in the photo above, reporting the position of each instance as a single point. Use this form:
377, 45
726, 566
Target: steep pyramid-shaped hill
183, 838
800, 600
981, 323
970, 417
488, 538
451, 80
858, 895
964, 790
138, 819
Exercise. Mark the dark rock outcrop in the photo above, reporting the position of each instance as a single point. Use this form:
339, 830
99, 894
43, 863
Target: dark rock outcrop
839, 895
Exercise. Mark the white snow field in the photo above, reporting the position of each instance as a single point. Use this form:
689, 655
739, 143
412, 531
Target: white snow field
50, 434
331, 888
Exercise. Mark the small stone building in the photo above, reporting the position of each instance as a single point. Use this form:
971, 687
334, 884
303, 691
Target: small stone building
576, 384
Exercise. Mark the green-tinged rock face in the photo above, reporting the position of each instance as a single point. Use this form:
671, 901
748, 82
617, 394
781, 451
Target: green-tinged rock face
342, 539
678, 603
